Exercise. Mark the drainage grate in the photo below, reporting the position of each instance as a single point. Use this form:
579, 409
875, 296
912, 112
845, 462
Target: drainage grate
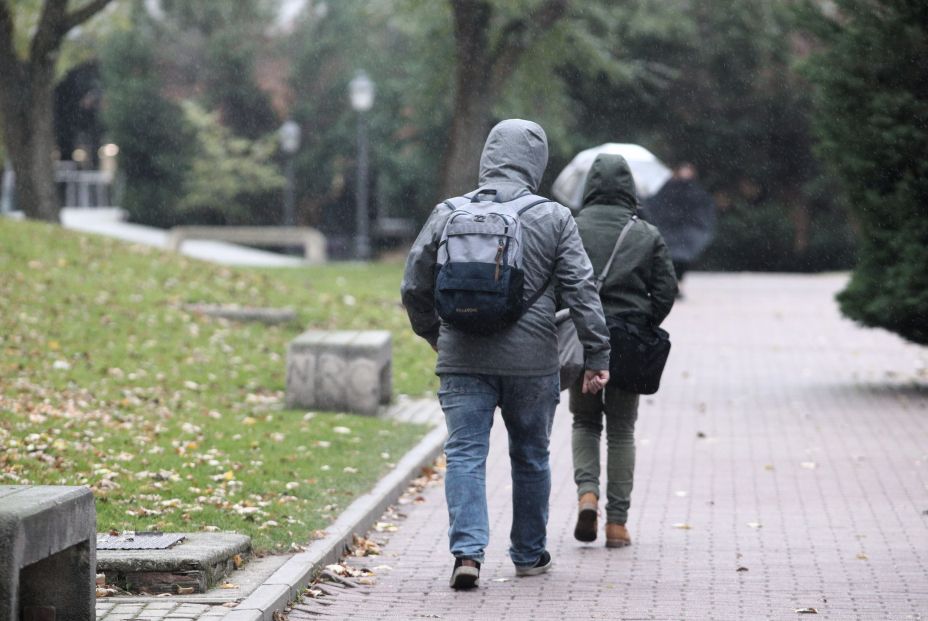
138, 541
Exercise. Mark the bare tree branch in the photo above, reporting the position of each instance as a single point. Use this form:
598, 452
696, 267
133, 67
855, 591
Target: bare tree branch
81, 15
49, 32
517, 35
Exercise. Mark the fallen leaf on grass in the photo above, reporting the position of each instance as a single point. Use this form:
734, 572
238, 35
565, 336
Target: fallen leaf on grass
341, 430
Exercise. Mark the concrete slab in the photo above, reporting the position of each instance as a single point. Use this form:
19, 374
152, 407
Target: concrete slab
86, 220
200, 561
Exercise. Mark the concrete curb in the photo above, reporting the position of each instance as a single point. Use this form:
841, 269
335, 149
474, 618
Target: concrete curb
285, 584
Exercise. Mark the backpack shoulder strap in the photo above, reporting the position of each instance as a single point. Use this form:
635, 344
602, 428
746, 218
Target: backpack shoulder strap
526, 202
454, 203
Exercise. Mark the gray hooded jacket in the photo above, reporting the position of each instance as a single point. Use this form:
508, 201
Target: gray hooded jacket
513, 161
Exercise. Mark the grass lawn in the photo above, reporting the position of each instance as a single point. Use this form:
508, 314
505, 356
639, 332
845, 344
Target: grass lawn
176, 420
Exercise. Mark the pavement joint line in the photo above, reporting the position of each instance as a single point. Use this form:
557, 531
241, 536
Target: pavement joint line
285, 584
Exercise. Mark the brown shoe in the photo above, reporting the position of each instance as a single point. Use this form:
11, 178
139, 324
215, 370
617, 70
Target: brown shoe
586, 518
617, 536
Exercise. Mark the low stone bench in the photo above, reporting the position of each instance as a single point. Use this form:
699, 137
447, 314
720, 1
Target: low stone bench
313, 242
346, 371
47, 553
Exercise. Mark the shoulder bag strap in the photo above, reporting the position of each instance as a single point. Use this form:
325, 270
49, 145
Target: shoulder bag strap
615, 250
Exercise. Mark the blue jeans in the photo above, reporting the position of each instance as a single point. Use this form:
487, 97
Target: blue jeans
527, 405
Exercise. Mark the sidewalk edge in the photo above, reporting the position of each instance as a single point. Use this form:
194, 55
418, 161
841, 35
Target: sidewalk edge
360, 515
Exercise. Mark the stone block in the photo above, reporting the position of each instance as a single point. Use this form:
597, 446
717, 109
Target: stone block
47, 552
200, 561
347, 371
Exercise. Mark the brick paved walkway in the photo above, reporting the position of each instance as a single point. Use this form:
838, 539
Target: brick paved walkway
785, 441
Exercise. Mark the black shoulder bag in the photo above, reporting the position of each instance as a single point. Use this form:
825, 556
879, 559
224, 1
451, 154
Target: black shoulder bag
639, 350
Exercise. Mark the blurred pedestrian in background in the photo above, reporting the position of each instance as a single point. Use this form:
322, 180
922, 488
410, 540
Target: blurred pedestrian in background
684, 213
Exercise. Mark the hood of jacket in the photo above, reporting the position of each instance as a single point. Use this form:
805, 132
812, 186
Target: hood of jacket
514, 158
610, 182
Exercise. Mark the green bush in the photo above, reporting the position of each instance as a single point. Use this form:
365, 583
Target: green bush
871, 118
155, 145
761, 238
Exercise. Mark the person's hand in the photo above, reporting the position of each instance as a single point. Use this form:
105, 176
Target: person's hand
594, 381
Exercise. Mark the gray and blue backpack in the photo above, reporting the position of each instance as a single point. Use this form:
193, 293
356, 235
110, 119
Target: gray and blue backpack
480, 280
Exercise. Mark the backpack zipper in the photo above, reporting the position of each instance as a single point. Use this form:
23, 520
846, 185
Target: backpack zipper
499, 258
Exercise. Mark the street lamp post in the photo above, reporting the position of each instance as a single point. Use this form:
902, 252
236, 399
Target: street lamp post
361, 92
289, 144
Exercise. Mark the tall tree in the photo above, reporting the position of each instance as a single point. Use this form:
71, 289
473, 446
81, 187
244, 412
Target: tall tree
488, 46
26, 99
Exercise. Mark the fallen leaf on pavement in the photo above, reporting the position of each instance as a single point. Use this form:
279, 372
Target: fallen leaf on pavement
806, 611
862, 557
365, 547
742, 568
228, 585
809, 465
682, 525
755, 525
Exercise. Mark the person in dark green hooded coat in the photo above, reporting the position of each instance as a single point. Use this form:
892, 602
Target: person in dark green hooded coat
641, 287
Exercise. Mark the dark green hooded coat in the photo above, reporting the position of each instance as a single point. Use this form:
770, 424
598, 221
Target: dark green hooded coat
642, 278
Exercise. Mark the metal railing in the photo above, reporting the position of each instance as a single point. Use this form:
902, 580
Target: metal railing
76, 187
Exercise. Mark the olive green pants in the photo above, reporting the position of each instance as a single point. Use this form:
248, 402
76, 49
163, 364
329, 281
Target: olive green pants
620, 410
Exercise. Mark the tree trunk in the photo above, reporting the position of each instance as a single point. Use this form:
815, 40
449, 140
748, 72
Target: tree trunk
473, 100
29, 127
26, 102
481, 72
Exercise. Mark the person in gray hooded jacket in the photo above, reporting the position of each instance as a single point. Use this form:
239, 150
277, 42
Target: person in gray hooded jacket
515, 368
